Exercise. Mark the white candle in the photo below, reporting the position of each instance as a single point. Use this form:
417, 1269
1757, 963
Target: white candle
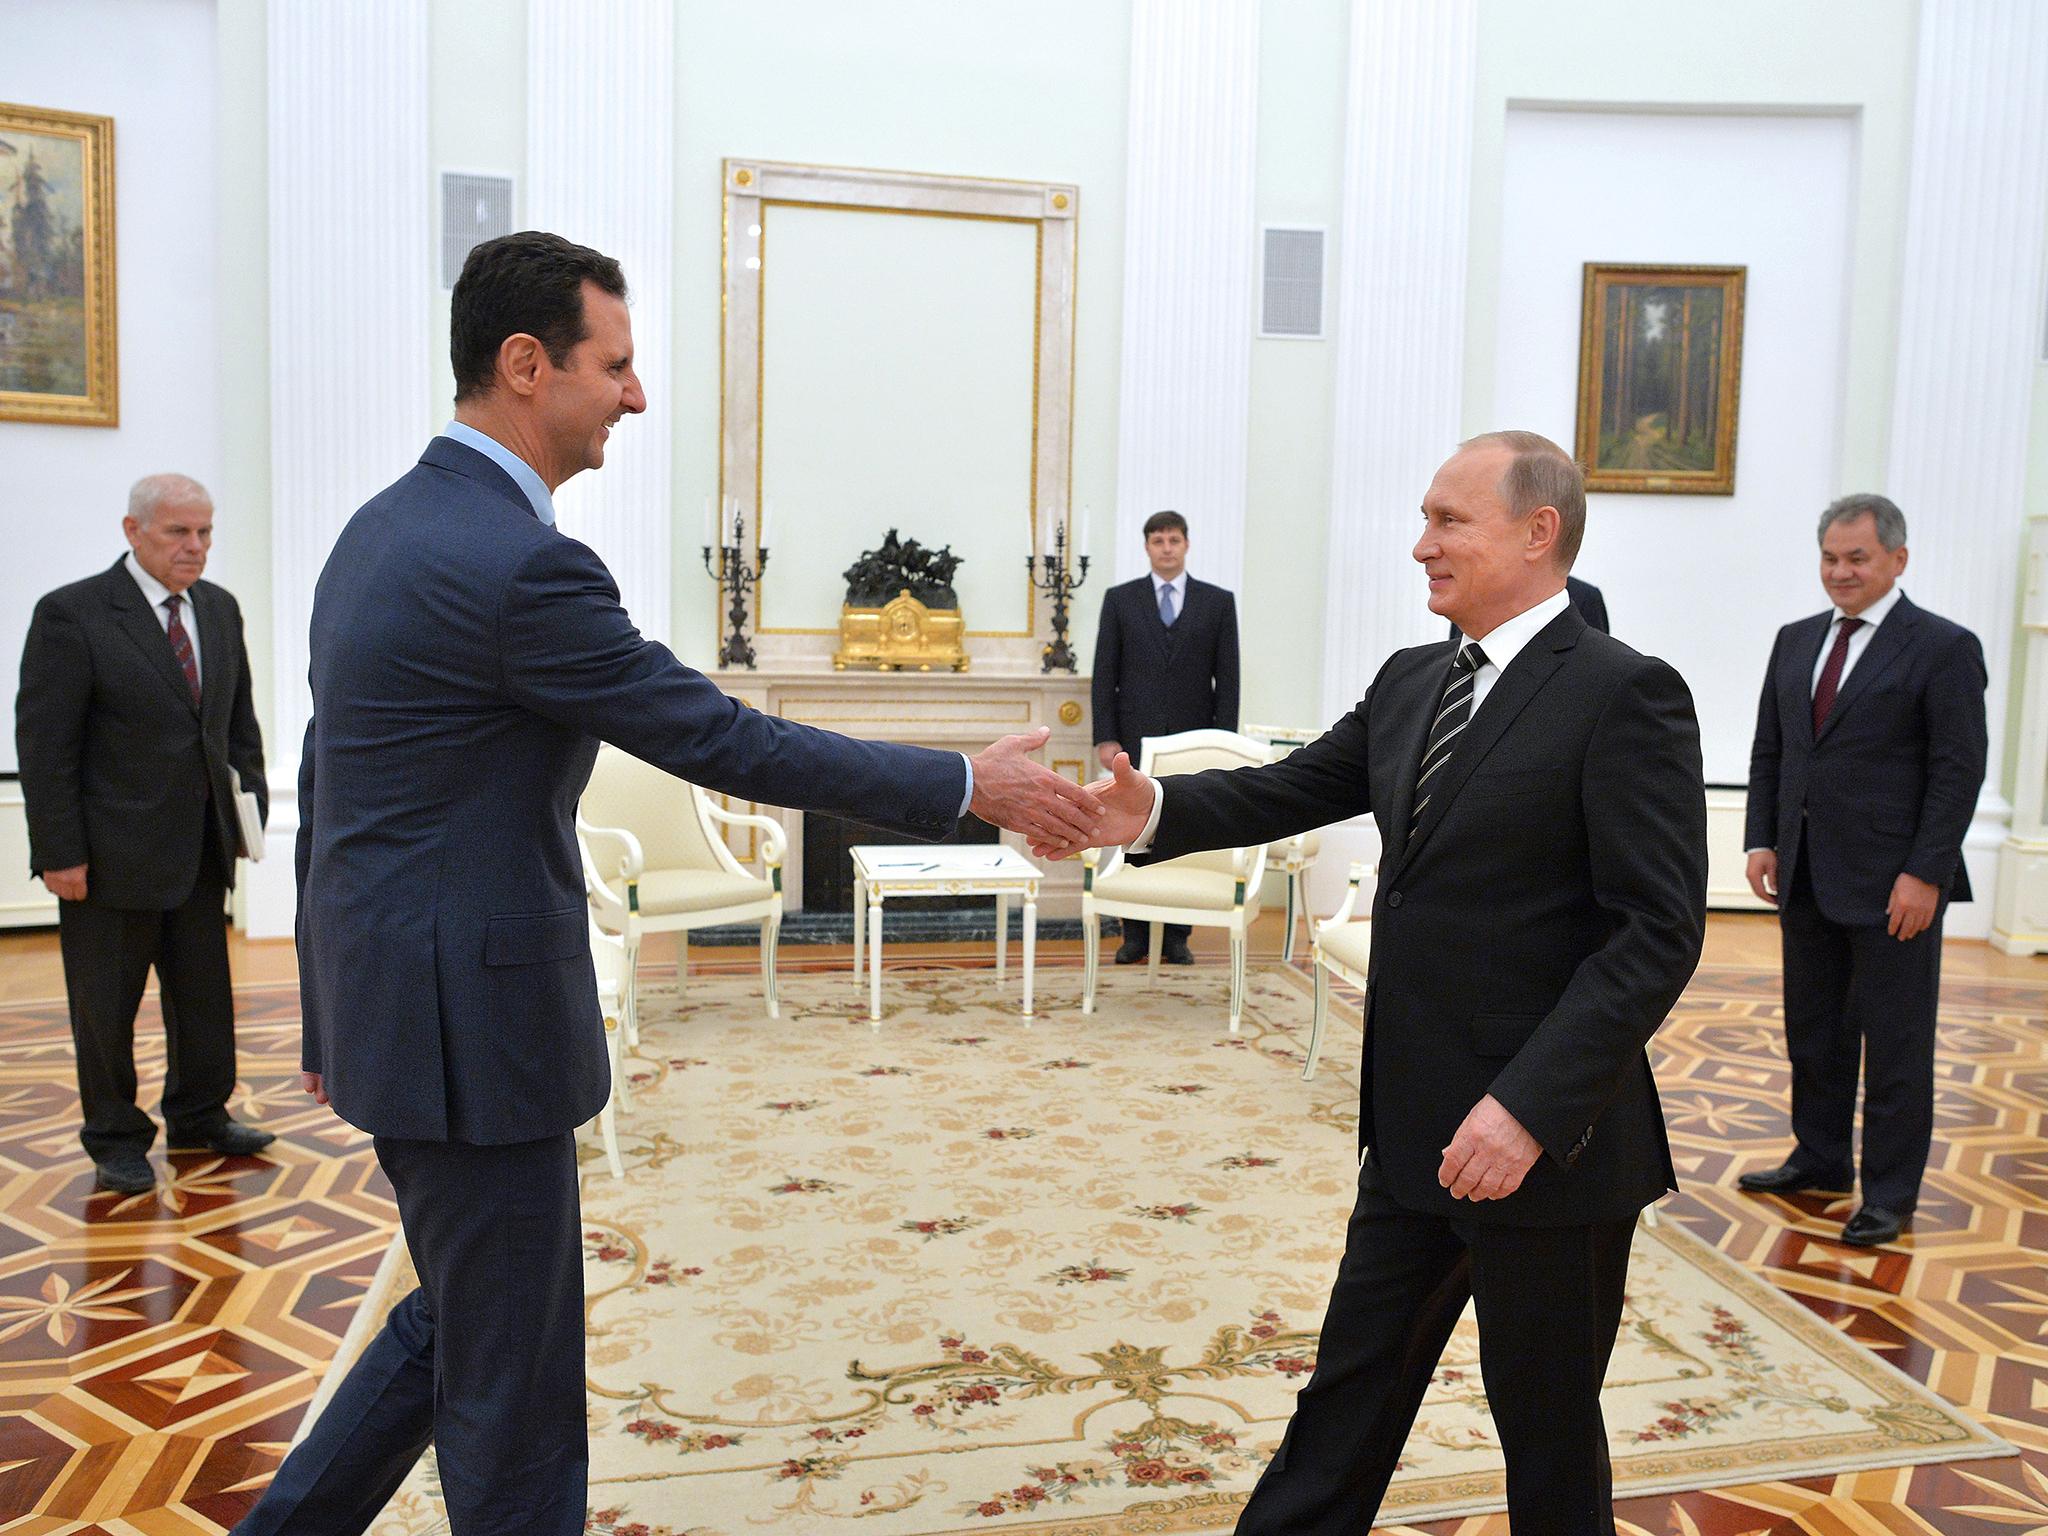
708, 527
767, 514
1079, 540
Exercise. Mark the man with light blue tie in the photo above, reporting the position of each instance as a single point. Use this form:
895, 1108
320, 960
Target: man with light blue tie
467, 659
1165, 661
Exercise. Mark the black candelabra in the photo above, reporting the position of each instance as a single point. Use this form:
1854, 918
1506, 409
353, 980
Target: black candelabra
735, 579
1063, 577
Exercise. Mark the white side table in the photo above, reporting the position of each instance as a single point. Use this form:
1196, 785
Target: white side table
881, 870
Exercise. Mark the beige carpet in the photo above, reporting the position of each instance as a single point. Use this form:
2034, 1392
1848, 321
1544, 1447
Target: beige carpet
958, 1274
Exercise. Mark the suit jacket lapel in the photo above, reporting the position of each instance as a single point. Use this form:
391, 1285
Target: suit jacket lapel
1892, 638
131, 612
1510, 694
1795, 675
1420, 713
213, 651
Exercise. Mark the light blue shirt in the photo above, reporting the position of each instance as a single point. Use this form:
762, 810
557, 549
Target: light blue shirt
522, 473
536, 490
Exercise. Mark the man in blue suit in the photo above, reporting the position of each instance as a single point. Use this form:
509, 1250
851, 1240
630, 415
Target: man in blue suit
466, 661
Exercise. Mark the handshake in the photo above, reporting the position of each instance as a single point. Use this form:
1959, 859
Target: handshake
1058, 816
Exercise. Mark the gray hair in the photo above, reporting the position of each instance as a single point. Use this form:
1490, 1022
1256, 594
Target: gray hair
1891, 522
152, 491
1541, 474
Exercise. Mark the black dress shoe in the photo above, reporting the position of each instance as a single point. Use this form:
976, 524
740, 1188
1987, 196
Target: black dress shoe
1176, 952
1789, 1179
231, 1139
1131, 952
126, 1173
1872, 1227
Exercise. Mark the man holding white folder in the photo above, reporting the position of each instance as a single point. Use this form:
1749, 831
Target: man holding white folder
137, 737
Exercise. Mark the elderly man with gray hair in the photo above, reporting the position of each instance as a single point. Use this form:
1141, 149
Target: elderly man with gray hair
134, 717
1870, 749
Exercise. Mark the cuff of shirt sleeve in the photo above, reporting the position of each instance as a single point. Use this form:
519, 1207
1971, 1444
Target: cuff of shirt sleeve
1143, 841
967, 799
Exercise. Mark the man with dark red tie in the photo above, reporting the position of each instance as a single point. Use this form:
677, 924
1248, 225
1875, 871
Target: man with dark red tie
1870, 749
135, 713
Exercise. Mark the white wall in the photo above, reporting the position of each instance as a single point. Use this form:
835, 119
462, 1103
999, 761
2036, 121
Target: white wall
150, 68
1703, 581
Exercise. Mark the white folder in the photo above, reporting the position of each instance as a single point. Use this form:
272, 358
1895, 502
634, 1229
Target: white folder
250, 820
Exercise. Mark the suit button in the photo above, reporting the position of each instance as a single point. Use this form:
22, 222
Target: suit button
1394, 898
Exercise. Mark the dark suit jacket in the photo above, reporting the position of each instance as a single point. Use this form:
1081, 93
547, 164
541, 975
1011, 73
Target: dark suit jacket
466, 660
1891, 783
1586, 598
1536, 930
1153, 681
117, 765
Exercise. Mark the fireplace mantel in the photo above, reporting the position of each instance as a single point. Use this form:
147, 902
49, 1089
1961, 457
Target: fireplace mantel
958, 711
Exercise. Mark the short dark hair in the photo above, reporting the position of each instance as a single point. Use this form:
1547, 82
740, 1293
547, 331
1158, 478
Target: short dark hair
530, 283
1160, 521
1541, 474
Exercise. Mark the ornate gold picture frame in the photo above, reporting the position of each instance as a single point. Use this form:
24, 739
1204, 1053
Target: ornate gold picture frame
57, 316
1660, 376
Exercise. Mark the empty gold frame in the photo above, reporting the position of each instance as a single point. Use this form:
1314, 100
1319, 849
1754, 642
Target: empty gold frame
837, 386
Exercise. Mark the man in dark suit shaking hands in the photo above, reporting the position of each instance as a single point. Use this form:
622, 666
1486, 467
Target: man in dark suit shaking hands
1870, 748
135, 716
1541, 904
466, 660
1165, 661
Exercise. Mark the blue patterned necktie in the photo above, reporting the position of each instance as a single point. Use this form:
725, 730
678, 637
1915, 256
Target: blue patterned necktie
1166, 606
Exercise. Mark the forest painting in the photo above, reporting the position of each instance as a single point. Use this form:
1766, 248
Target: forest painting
1660, 370
56, 267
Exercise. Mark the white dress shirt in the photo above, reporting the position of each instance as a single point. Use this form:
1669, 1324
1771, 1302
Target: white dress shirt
1180, 592
1859, 642
1501, 645
156, 592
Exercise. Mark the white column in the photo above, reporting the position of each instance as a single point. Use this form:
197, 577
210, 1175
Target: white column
1969, 321
1189, 271
350, 253
1400, 318
600, 158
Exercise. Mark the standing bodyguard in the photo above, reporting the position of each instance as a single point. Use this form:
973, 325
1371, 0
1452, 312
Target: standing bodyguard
1541, 905
1870, 748
466, 660
1165, 661
134, 714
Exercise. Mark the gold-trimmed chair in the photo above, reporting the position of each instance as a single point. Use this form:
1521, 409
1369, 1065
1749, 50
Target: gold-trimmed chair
608, 960
1342, 947
655, 862
1217, 889
1297, 856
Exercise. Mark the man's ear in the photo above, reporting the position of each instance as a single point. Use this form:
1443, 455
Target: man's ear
1544, 525
520, 359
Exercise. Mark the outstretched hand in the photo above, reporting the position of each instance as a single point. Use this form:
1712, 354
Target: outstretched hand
1126, 801
1013, 792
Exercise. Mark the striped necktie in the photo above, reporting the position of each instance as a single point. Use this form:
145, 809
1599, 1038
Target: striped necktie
1453, 714
181, 645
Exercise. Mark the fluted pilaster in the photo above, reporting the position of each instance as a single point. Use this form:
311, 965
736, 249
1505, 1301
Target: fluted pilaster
1969, 314
1189, 271
600, 157
1400, 321
350, 246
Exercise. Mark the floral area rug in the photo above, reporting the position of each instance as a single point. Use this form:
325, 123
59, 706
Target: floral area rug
960, 1274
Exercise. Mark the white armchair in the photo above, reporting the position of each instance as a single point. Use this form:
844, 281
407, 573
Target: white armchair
1218, 889
608, 959
1343, 948
654, 862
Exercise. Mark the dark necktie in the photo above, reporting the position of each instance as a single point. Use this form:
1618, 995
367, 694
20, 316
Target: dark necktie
1831, 675
1453, 714
1166, 606
181, 645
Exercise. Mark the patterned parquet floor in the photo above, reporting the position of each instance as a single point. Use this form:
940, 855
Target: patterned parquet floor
157, 1351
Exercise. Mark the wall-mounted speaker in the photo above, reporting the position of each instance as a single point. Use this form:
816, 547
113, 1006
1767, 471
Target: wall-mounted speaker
473, 209
1291, 282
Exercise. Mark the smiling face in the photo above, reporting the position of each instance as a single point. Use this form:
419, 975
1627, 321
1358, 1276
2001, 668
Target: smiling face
1167, 549
1855, 567
173, 544
580, 402
1484, 564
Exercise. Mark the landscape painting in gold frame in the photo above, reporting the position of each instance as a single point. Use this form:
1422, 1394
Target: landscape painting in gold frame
1660, 378
57, 352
